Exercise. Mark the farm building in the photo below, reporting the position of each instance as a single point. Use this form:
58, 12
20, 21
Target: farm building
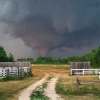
13, 69
77, 67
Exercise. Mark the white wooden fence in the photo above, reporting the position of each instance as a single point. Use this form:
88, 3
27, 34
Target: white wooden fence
85, 71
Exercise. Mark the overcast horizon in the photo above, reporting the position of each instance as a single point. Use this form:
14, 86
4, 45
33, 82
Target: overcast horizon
31, 28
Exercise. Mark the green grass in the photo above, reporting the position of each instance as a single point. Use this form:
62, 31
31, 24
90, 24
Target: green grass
70, 90
62, 66
38, 94
82, 90
42, 97
9, 89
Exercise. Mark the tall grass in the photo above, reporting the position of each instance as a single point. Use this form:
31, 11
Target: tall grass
9, 89
69, 89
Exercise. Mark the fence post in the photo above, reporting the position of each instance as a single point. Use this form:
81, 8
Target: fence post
83, 72
99, 75
71, 72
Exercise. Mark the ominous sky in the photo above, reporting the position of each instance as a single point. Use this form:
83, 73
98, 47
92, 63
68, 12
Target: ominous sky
49, 27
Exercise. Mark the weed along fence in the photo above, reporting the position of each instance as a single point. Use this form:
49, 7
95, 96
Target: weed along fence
85, 71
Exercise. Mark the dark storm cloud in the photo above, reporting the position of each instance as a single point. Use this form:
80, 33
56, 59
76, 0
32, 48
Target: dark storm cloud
48, 25
38, 32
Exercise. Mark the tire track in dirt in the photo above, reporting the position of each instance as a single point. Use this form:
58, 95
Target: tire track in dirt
50, 90
26, 93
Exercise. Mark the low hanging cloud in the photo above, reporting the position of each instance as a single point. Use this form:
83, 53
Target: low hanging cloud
49, 25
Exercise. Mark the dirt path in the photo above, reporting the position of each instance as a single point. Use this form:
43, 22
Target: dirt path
50, 91
26, 93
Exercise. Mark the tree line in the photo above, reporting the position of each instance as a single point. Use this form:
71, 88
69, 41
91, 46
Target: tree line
93, 56
4, 57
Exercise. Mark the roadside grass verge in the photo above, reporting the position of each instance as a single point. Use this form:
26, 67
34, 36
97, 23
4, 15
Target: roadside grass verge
9, 89
68, 89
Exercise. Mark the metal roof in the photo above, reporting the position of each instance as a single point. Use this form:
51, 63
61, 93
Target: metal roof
82, 65
15, 64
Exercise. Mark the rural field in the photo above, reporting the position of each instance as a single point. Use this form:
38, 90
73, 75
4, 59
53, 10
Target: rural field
88, 89
41, 69
66, 86
9, 89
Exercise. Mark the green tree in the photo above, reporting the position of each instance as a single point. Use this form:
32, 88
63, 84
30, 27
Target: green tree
10, 57
96, 60
3, 55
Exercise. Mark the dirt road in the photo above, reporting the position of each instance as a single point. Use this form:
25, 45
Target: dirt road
50, 91
26, 93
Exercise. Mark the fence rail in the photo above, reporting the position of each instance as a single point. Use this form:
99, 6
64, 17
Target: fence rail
85, 71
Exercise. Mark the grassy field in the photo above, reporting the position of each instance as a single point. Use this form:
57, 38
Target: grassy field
50, 66
67, 86
42, 69
10, 89
88, 90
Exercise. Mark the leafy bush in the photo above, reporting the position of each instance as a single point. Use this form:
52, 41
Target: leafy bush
4, 57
